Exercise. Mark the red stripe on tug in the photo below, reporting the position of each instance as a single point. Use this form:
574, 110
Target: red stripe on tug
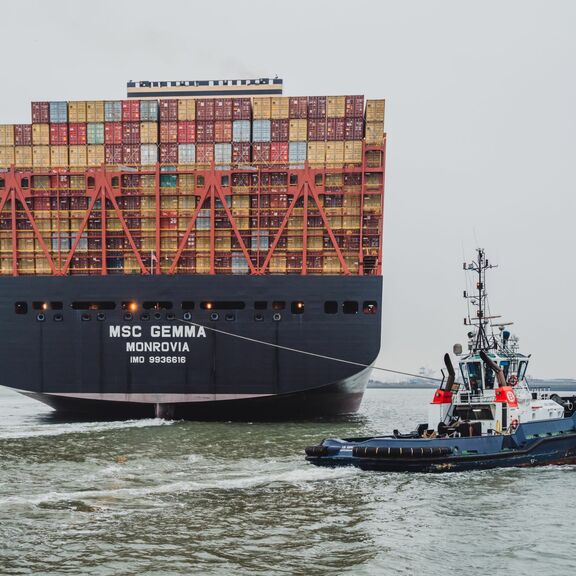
505, 394
442, 397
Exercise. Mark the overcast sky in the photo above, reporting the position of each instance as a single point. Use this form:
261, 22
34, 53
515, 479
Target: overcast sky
480, 116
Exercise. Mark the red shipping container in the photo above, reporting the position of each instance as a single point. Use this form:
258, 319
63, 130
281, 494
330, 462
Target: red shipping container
168, 153
241, 109
240, 152
59, 134
112, 133
204, 153
279, 130
223, 109
261, 152
169, 132
223, 131
335, 129
76, 133
169, 110
298, 107
131, 153
204, 109
205, 131
279, 152
130, 132
317, 107
186, 132
40, 112
316, 129
113, 154
354, 106
130, 110
354, 129
23, 134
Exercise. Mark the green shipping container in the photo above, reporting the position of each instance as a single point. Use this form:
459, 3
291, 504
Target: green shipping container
95, 133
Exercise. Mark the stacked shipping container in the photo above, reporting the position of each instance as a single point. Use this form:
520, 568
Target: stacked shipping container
262, 208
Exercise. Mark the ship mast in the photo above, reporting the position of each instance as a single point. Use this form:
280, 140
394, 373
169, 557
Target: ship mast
481, 321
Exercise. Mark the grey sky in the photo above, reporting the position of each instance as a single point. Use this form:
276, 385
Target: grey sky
481, 122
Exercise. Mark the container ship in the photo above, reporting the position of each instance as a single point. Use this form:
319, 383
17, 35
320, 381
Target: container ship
173, 254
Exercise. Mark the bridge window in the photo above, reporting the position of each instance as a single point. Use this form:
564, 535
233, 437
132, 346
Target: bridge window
93, 305
370, 307
47, 305
260, 305
350, 307
153, 305
188, 305
223, 305
331, 307
21, 308
297, 307
278, 305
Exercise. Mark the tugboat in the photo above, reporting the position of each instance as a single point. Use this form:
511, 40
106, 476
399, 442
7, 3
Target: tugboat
492, 419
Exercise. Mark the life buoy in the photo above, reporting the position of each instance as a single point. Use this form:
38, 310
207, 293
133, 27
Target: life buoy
514, 424
513, 380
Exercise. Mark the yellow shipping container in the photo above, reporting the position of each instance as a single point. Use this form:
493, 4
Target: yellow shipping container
336, 107
280, 107
335, 153
261, 108
277, 264
315, 242
316, 153
58, 156
240, 201
77, 182
375, 110
334, 180
149, 132
40, 134
6, 135
41, 156
6, 156
6, 266
203, 243
202, 264
186, 182
187, 109
95, 155
351, 222
95, 111
298, 130
353, 152
295, 242
223, 241
78, 156
374, 133
170, 243
331, 265
23, 156
77, 111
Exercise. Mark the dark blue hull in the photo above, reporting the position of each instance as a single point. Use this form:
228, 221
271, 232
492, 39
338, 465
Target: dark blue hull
533, 444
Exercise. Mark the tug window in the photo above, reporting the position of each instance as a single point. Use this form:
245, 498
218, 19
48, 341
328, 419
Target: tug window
331, 307
475, 374
21, 308
297, 307
278, 305
522, 370
157, 305
350, 307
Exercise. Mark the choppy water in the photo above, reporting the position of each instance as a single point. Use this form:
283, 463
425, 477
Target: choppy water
174, 498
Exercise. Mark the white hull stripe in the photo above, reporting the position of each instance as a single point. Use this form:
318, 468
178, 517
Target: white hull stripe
153, 398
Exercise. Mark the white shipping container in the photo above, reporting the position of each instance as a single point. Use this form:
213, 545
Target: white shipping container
241, 131
261, 131
113, 111
148, 110
148, 154
222, 153
297, 152
186, 153
239, 264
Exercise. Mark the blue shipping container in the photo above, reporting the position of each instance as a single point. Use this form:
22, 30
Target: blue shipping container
95, 133
113, 111
59, 112
297, 152
261, 131
223, 153
149, 110
241, 131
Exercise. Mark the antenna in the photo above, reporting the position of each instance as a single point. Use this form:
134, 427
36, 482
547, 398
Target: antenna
478, 301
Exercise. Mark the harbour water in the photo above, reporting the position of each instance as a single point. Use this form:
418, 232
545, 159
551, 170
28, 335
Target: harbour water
165, 498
